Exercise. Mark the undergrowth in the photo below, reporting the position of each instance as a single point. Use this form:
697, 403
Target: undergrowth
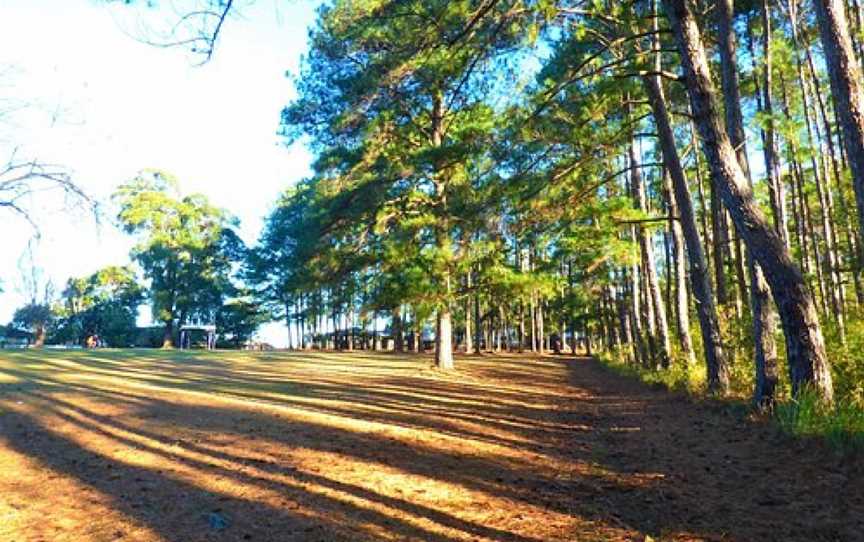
841, 425
806, 415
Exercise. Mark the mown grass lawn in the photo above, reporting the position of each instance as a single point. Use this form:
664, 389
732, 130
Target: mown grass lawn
150, 445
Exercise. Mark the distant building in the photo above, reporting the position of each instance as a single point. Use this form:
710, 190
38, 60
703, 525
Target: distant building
14, 338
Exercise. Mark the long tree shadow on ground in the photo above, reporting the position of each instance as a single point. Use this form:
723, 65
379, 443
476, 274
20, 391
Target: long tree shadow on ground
510, 449
721, 472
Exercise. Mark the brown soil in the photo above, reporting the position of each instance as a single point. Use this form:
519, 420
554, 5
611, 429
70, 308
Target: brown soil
145, 446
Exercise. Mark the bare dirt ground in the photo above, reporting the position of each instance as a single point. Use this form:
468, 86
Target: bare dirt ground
146, 446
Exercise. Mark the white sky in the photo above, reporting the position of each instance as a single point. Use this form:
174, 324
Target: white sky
124, 106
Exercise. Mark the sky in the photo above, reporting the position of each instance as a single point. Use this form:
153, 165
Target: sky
90, 97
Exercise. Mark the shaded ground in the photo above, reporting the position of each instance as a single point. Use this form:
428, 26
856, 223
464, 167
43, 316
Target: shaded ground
144, 445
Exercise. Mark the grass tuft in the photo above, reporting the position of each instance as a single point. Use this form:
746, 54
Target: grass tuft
841, 424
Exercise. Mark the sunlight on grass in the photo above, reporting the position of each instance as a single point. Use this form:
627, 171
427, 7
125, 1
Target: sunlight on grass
383, 443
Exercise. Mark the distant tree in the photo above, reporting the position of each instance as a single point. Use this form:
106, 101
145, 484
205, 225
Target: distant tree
104, 304
186, 247
36, 315
35, 318
397, 103
237, 321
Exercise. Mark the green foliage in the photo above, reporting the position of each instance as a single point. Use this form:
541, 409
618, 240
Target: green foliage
237, 320
842, 424
187, 248
36, 318
847, 361
105, 304
681, 377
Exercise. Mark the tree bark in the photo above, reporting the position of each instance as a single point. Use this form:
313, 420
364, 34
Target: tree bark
658, 326
398, 338
478, 328
845, 77
765, 349
444, 325
168, 334
680, 275
805, 347
469, 337
718, 374
772, 164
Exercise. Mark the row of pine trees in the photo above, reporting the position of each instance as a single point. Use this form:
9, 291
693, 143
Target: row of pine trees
678, 183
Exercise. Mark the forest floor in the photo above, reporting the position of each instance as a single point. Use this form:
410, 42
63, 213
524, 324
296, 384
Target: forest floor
150, 445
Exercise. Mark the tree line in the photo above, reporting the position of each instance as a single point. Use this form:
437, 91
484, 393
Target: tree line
675, 183
189, 263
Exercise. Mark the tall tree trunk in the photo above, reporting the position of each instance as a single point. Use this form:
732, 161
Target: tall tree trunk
623, 319
823, 185
478, 325
642, 356
765, 349
398, 336
845, 77
337, 343
658, 327
444, 340
718, 375
469, 337
444, 324
521, 326
541, 332
682, 311
349, 327
719, 242
571, 324
805, 346
772, 163
167, 335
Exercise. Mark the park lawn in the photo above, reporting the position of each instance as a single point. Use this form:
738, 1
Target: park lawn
153, 445
147, 445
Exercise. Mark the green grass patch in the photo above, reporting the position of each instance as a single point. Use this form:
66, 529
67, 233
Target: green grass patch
679, 377
841, 424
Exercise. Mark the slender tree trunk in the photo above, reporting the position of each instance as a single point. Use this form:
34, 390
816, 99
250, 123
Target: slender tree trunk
398, 338
444, 340
680, 275
718, 375
719, 241
444, 324
336, 344
772, 163
624, 322
478, 325
845, 77
469, 337
805, 345
642, 356
521, 326
541, 332
349, 327
167, 336
658, 327
836, 290
571, 327
765, 349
